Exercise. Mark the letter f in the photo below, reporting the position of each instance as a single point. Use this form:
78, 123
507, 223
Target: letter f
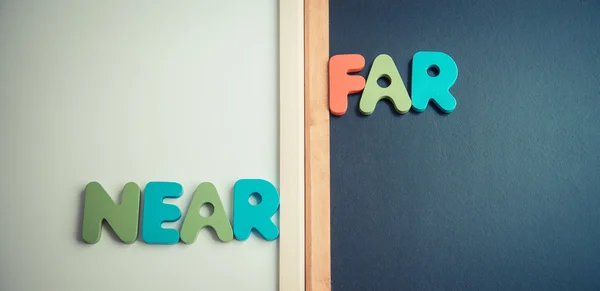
341, 84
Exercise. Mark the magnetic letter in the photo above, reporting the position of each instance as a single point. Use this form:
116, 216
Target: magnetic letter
341, 84
122, 218
384, 67
247, 217
437, 87
206, 193
156, 212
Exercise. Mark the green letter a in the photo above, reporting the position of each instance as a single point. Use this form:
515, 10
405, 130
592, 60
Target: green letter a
384, 67
206, 193
123, 218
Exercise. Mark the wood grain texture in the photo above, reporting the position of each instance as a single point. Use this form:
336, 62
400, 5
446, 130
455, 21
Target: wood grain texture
316, 55
291, 146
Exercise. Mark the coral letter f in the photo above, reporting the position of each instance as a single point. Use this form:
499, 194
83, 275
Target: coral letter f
341, 84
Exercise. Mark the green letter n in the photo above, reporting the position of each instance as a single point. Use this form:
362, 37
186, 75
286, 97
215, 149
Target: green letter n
123, 218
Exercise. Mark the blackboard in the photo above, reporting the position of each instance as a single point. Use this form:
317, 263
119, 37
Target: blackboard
501, 194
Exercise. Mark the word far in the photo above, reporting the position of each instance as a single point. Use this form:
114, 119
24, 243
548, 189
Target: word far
123, 217
433, 74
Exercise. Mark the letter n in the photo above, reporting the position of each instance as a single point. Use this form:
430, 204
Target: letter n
122, 218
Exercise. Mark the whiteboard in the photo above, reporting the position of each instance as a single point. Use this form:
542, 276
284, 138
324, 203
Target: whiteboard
133, 91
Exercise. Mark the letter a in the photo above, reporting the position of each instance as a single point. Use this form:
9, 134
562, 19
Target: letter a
206, 193
384, 67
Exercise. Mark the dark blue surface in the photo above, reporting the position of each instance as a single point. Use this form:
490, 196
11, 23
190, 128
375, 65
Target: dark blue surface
501, 194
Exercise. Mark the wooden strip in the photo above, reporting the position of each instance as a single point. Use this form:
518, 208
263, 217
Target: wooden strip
316, 130
291, 145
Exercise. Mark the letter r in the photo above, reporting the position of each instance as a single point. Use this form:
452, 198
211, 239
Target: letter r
435, 87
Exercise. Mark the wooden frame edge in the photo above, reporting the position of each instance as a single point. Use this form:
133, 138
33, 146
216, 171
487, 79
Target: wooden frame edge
291, 145
316, 138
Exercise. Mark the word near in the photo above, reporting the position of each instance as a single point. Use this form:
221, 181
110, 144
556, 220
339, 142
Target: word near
123, 218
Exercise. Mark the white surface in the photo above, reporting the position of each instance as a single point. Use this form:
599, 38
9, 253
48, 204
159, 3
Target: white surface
119, 91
